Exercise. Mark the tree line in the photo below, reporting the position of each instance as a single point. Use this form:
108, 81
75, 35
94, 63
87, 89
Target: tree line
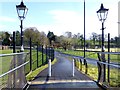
65, 41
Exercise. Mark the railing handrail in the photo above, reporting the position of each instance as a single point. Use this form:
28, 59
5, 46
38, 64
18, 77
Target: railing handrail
110, 64
115, 53
100, 52
13, 54
14, 69
88, 59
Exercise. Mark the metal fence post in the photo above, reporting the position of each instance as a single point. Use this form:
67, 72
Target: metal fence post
53, 54
86, 66
80, 64
14, 61
46, 54
49, 52
37, 55
14, 43
108, 57
42, 56
30, 54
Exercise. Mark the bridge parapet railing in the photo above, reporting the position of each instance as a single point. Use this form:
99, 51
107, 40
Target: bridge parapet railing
14, 67
95, 68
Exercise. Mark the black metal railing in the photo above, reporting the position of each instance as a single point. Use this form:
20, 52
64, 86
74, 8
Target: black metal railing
39, 55
112, 70
16, 66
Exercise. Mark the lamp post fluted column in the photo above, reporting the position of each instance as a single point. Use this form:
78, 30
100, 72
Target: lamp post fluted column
21, 26
103, 37
103, 55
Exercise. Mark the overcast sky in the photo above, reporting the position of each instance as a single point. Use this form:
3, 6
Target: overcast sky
60, 16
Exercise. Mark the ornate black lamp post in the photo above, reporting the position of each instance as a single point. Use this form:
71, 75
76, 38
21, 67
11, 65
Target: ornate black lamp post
21, 11
102, 15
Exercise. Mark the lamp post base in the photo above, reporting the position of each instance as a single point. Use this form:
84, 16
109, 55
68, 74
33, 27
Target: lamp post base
22, 49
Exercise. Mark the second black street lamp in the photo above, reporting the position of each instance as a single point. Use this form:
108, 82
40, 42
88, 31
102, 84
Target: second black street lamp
21, 11
102, 15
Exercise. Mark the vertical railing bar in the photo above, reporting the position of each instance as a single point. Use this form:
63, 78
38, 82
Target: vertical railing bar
49, 52
108, 58
30, 54
86, 66
37, 55
14, 61
42, 56
80, 64
14, 42
46, 54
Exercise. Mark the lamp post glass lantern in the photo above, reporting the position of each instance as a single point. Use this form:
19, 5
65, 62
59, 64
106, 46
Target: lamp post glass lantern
22, 12
102, 13
102, 16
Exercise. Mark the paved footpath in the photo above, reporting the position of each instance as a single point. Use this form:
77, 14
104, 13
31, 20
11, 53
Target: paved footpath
62, 77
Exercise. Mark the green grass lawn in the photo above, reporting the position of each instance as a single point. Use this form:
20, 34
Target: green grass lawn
5, 61
5, 51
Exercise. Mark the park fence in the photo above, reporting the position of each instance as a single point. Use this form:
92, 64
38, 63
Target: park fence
105, 72
13, 70
15, 66
39, 55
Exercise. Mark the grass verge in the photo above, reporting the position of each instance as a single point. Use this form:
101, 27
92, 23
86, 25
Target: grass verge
5, 51
93, 74
34, 73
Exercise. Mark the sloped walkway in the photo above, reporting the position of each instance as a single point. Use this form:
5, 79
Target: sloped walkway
62, 77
